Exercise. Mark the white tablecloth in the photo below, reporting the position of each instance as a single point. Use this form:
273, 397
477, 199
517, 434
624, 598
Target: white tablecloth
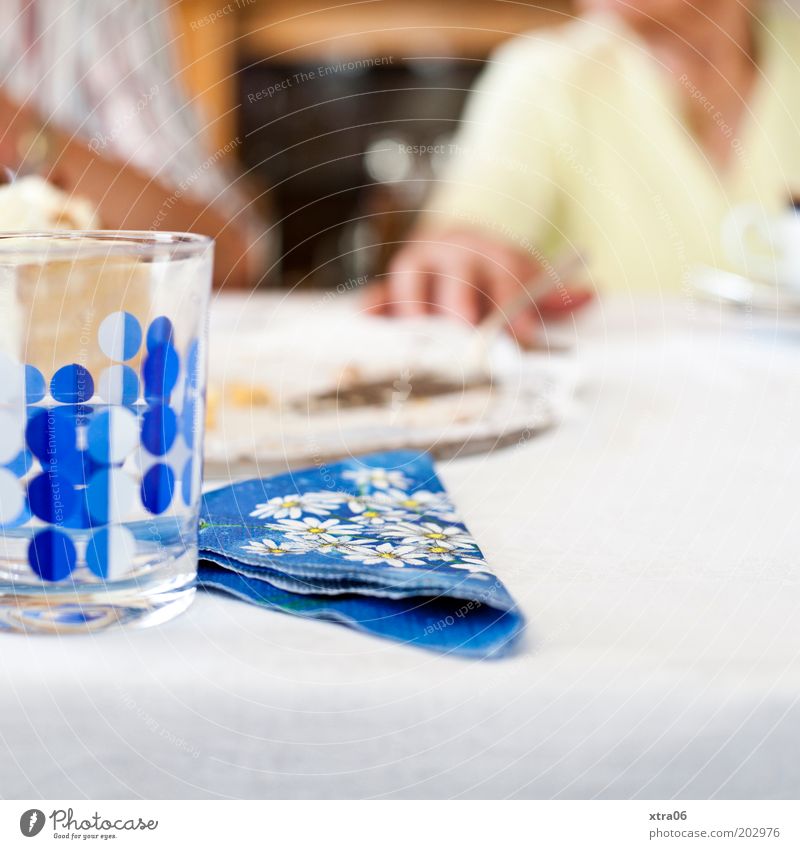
652, 540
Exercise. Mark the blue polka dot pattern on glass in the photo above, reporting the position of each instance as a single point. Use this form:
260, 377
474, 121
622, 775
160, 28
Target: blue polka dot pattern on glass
160, 332
52, 497
120, 336
24, 517
72, 384
189, 421
80, 413
110, 496
160, 373
159, 426
80, 519
21, 464
118, 384
76, 467
52, 555
51, 433
76, 446
35, 385
187, 483
12, 498
158, 486
112, 435
193, 365
110, 552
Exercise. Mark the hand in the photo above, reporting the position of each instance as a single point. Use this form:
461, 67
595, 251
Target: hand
466, 274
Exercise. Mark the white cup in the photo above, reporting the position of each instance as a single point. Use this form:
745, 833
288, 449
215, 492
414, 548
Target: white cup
763, 246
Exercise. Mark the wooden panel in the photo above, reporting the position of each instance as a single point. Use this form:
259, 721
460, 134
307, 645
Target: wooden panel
310, 29
214, 37
208, 56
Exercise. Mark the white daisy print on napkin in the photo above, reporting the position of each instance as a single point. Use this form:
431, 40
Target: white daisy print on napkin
387, 554
309, 528
378, 478
422, 502
294, 505
426, 534
476, 565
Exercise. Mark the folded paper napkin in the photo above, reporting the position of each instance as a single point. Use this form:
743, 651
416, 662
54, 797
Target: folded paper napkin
372, 542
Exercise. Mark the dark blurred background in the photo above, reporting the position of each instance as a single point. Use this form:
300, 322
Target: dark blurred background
343, 112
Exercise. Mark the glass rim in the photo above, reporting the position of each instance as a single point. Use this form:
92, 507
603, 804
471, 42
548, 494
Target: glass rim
49, 244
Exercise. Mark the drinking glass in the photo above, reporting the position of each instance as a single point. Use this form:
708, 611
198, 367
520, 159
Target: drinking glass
102, 386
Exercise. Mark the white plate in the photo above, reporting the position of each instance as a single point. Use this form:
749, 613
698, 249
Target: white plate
288, 350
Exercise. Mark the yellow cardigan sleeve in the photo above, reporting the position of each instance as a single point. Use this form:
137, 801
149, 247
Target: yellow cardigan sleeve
503, 174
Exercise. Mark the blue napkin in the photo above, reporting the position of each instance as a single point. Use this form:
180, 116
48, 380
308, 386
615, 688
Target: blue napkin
372, 542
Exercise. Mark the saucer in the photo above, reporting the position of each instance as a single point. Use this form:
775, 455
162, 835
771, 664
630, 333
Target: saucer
736, 290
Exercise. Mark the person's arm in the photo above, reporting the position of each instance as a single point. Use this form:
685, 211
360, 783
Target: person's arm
496, 217
125, 197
